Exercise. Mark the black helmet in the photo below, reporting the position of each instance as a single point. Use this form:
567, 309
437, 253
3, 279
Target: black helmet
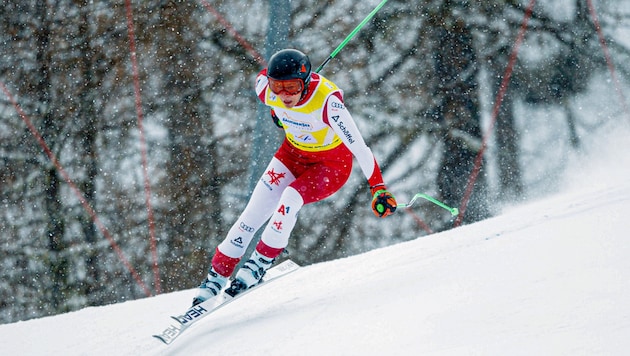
289, 64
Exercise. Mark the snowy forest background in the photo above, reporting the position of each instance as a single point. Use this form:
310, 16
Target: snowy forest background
420, 79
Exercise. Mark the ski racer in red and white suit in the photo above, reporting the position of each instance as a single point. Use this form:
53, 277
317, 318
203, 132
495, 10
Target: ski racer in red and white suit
313, 162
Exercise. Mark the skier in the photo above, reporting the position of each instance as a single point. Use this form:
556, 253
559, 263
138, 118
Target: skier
313, 162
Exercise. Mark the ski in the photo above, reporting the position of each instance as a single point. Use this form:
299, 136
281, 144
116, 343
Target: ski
195, 313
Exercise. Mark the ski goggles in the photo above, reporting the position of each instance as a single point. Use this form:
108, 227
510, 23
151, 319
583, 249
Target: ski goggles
289, 86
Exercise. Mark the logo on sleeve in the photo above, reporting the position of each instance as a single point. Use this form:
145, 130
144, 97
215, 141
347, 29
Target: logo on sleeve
336, 105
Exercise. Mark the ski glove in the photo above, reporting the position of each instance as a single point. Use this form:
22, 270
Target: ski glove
383, 202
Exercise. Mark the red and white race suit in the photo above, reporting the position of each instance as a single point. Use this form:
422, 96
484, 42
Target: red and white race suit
313, 162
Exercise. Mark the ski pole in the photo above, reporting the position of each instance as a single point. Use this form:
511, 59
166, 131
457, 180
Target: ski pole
453, 211
350, 36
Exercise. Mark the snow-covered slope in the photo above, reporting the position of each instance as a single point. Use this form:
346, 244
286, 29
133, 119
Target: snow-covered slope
548, 278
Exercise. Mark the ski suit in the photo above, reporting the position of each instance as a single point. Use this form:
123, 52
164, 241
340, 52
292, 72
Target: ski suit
313, 162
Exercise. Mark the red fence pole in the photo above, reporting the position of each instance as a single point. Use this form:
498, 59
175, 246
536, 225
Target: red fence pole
495, 112
143, 147
76, 190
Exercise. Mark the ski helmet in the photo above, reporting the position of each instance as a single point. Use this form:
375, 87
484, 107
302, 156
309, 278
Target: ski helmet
289, 64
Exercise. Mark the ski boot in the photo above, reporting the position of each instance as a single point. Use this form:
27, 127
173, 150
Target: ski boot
250, 274
210, 287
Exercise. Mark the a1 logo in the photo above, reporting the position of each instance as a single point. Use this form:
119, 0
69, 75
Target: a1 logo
284, 210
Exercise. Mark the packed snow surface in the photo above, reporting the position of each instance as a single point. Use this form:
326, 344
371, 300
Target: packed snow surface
551, 277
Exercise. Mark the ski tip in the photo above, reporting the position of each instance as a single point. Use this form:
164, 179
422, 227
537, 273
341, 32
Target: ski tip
169, 334
161, 339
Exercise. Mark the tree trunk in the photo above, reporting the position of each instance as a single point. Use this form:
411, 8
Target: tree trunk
507, 139
88, 119
55, 226
458, 113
